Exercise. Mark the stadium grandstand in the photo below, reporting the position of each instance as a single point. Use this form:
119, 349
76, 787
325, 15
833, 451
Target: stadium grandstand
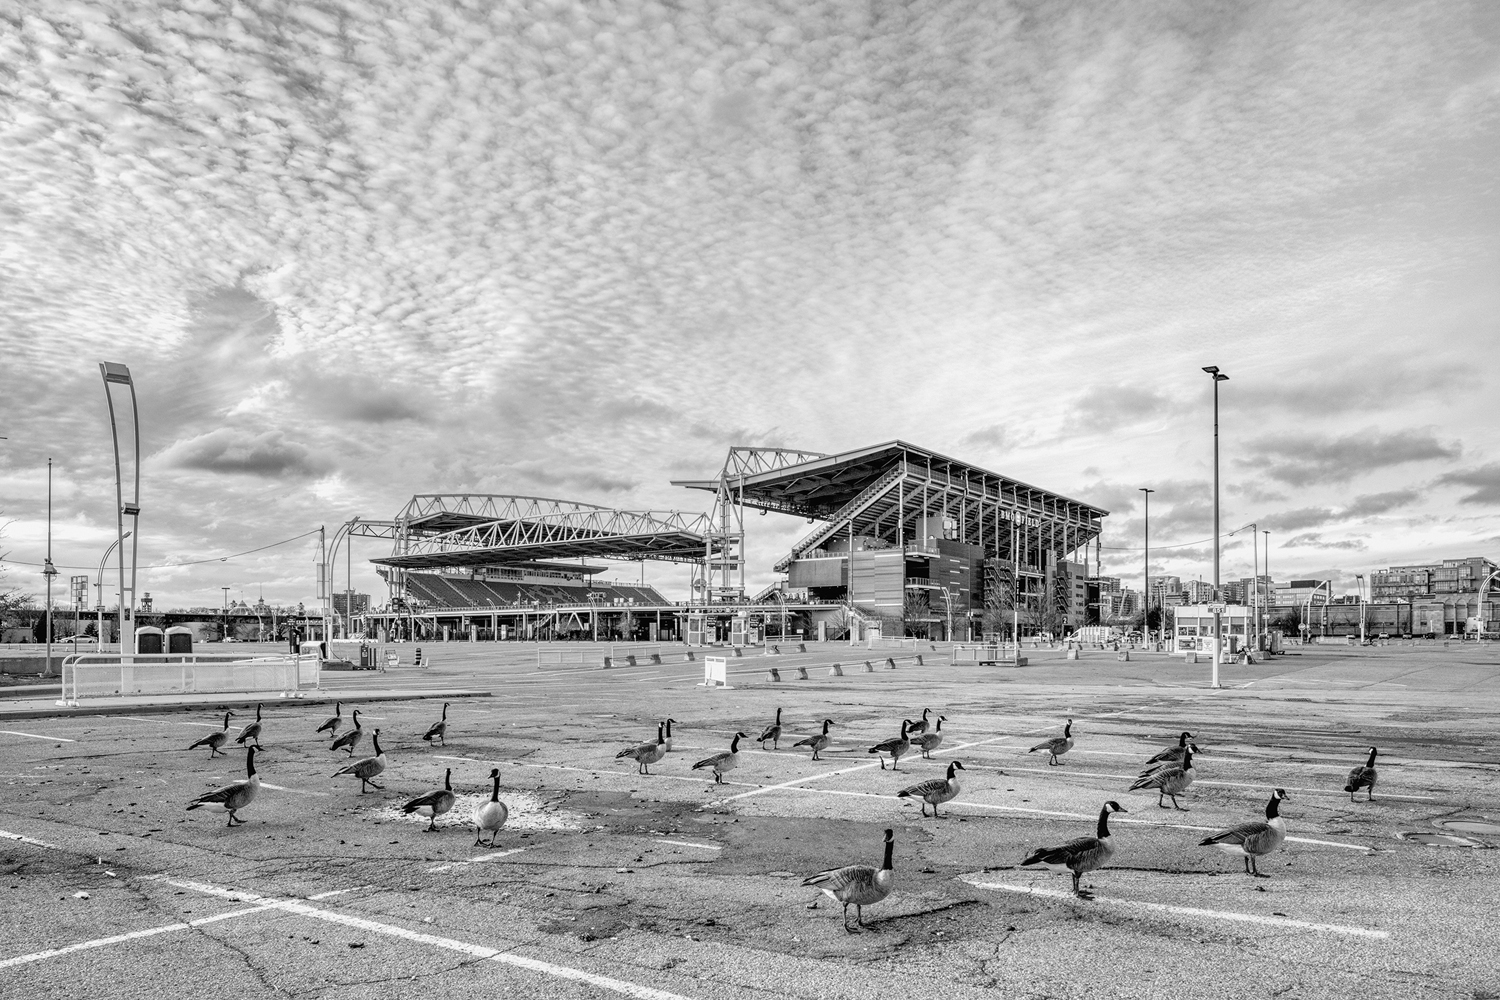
904, 538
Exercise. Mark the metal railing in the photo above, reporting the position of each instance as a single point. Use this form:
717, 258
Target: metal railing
111, 675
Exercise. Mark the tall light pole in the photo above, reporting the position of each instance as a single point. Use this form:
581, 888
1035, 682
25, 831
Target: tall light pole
49, 570
99, 594
226, 614
1217, 376
1360, 590
1268, 582
1146, 569
118, 374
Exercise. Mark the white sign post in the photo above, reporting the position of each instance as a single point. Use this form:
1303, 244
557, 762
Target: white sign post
716, 673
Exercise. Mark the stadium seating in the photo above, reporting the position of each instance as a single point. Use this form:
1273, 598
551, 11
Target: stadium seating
444, 591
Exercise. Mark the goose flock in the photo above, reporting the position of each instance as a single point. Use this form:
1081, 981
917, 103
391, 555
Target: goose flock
489, 818
1169, 772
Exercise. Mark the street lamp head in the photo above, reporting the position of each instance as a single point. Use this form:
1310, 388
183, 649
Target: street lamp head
1145, 489
114, 372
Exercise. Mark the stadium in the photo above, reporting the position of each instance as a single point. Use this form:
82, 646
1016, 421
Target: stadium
902, 538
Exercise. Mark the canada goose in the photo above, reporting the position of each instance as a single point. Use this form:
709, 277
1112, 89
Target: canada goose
251, 732
434, 803
929, 742
214, 740
935, 790
818, 743
1151, 769
334, 721
896, 748
1253, 840
1057, 746
366, 769
724, 761
1172, 754
439, 730
493, 814
1082, 854
858, 884
669, 734
349, 740
646, 754
236, 796
772, 733
1171, 780
1363, 777
920, 726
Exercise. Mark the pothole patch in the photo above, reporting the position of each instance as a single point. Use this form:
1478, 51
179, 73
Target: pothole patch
528, 811
1441, 840
1478, 826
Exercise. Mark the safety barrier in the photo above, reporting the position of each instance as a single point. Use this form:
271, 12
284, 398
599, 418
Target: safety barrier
631, 654
552, 659
892, 642
716, 673
111, 675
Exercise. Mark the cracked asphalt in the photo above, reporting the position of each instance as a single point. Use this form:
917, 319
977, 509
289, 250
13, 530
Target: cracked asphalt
608, 883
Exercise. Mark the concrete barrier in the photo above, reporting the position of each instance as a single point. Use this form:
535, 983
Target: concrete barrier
1071, 654
773, 675
836, 670
802, 673
869, 667
1123, 656
1190, 657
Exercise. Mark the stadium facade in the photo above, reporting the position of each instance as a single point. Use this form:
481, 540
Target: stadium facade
903, 537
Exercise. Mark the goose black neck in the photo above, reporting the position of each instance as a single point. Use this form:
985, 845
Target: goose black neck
1104, 822
445, 709
1182, 740
1273, 808
495, 789
257, 713
669, 729
659, 739
448, 780
890, 851
825, 727
1068, 729
250, 763
952, 767
734, 744
1371, 761
1187, 758
939, 727
376, 741
226, 720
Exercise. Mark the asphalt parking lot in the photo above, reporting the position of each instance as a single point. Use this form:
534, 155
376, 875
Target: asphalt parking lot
608, 883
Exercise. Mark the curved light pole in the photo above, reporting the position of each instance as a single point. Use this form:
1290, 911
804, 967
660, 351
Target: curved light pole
1146, 580
1484, 589
99, 592
49, 570
1217, 376
118, 374
1307, 608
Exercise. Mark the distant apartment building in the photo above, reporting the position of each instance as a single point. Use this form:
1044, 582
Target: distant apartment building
1431, 580
1198, 592
346, 603
1301, 592
1236, 592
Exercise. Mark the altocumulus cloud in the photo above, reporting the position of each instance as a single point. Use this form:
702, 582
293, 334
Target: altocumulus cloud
1485, 481
231, 450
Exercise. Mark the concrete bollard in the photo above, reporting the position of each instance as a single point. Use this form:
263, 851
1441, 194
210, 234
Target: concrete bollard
1123, 656
1190, 658
890, 664
773, 675
608, 662
919, 659
1071, 654
835, 671
869, 667
802, 673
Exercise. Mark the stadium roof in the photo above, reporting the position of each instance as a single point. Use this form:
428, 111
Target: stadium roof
819, 485
482, 529
882, 489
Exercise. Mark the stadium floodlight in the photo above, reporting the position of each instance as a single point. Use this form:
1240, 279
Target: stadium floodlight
117, 374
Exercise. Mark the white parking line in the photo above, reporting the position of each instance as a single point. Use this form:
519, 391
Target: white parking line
1200, 781
689, 843
29, 840
1187, 911
133, 935
297, 791
620, 986
37, 736
481, 859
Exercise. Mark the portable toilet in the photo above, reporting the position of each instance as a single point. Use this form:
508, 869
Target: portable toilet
148, 639
179, 639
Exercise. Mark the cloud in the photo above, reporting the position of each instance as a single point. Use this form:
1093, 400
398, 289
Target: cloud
1484, 479
1103, 408
1315, 540
238, 452
995, 436
1368, 505
1301, 459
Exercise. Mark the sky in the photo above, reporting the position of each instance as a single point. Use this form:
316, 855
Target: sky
353, 251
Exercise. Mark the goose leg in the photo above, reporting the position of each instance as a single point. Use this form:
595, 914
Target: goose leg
478, 833
1176, 806
493, 835
847, 928
924, 810
1161, 802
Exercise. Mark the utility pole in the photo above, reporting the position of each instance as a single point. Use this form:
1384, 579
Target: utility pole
49, 570
225, 636
1217, 376
1146, 581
